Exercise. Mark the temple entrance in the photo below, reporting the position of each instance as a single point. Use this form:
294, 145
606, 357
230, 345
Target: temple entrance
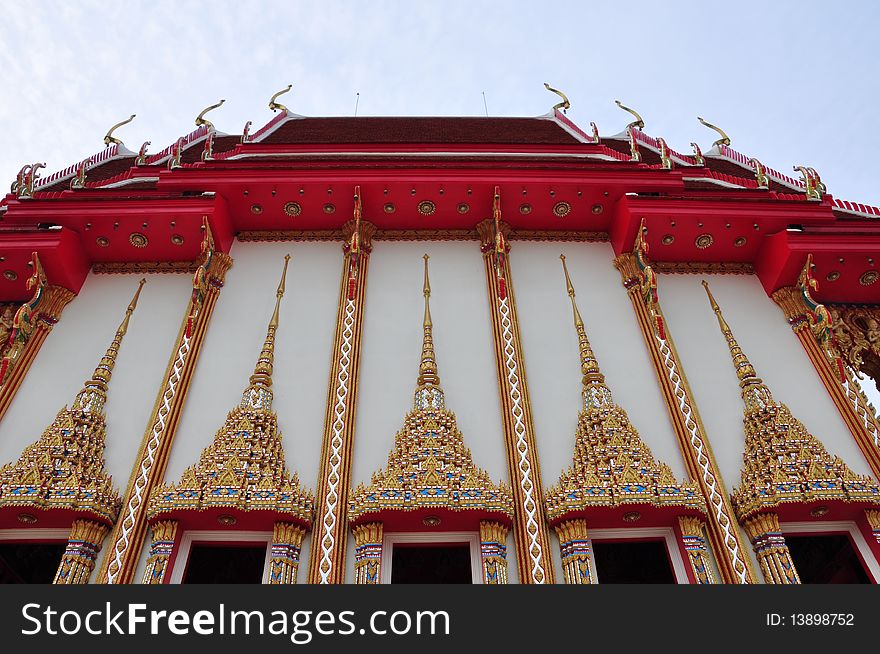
431, 564
225, 564
29, 563
632, 562
826, 559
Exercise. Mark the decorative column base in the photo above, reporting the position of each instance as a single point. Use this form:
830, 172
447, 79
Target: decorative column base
164, 538
493, 552
773, 555
286, 543
368, 552
694, 543
82, 551
574, 545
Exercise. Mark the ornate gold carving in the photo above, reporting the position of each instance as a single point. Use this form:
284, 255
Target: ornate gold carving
857, 335
430, 466
144, 267
873, 518
771, 550
244, 466
286, 544
647, 280
561, 209
574, 544
138, 240
64, 469
612, 466
783, 462
82, 550
493, 552
420, 235
367, 553
704, 241
161, 548
695, 545
25, 319
293, 209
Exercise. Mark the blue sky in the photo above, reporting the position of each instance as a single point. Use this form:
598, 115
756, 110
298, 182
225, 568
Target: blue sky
790, 82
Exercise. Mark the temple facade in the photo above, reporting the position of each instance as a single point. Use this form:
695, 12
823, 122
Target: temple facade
651, 361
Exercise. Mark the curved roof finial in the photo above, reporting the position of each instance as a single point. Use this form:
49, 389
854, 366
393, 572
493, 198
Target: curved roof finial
277, 106
724, 140
638, 122
109, 138
565, 104
201, 120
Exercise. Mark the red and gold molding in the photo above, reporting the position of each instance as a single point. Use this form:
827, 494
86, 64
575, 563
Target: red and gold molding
52, 303
530, 529
127, 538
724, 535
836, 377
328, 550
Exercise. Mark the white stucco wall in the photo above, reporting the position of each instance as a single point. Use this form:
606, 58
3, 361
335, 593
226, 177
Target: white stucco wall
779, 359
302, 353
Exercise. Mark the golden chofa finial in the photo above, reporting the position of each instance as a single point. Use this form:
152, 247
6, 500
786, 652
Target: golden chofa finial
724, 140
109, 138
428, 392
744, 369
565, 104
638, 122
201, 120
258, 395
94, 393
277, 106
592, 376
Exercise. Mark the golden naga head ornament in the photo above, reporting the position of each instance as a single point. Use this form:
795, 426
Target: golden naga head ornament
109, 139
638, 123
565, 104
277, 106
724, 140
201, 120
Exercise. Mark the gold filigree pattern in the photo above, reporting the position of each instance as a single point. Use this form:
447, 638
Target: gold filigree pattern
574, 543
771, 550
367, 553
81, 552
161, 548
783, 462
695, 545
493, 552
430, 466
244, 467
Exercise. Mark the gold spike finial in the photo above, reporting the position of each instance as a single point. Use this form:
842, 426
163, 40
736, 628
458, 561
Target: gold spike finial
277, 106
592, 375
565, 104
724, 140
109, 138
201, 120
258, 394
638, 122
428, 392
94, 392
744, 369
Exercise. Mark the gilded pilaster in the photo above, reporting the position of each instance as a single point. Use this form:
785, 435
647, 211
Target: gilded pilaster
367, 553
20, 347
286, 544
530, 526
328, 550
493, 552
574, 545
771, 550
811, 324
82, 550
640, 282
161, 549
128, 536
695, 545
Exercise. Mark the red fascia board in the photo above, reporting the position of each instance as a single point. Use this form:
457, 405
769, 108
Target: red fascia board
61, 255
280, 149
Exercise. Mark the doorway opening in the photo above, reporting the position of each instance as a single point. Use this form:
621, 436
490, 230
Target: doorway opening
30, 563
210, 563
826, 559
632, 562
448, 563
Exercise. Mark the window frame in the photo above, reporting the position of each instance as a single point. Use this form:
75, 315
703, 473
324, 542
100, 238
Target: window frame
665, 534
838, 527
431, 537
190, 538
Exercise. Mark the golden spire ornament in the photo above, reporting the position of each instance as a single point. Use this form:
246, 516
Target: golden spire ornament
428, 391
782, 461
64, 469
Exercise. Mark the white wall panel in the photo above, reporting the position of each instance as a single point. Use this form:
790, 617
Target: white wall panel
302, 352
551, 350
73, 349
779, 359
392, 345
